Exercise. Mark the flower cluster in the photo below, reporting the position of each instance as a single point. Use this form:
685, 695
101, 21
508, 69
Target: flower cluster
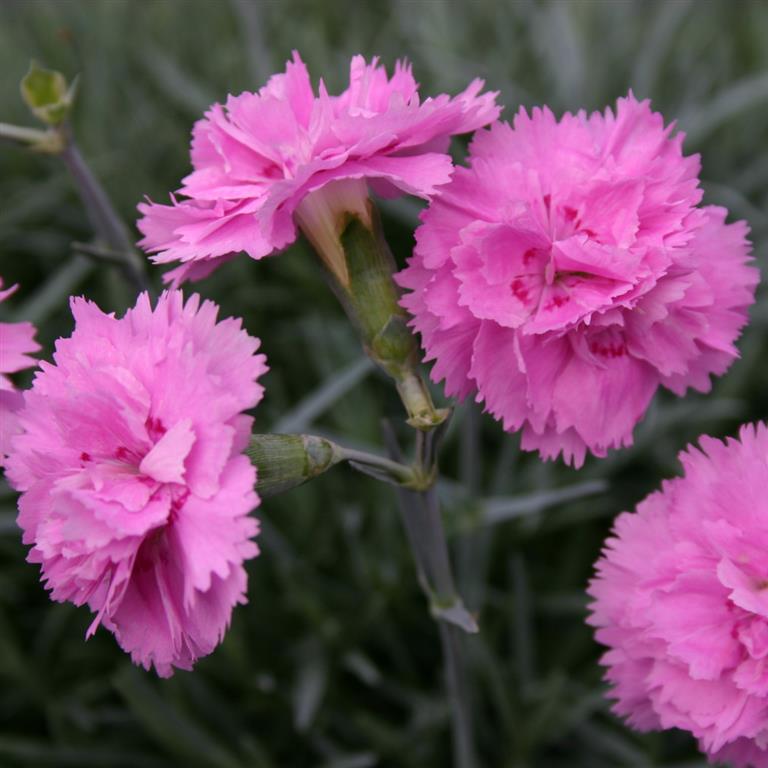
134, 491
561, 278
257, 158
17, 341
569, 272
681, 600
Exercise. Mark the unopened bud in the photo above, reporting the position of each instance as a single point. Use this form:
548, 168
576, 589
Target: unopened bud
285, 461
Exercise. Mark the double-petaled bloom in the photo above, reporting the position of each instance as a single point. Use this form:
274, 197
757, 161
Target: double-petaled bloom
681, 601
570, 271
267, 162
135, 492
17, 342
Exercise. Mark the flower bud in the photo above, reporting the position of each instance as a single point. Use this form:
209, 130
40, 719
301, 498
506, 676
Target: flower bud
285, 461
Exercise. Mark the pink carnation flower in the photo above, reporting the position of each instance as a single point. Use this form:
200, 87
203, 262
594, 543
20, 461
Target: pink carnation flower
258, 160
680, 599
135, 492
16, 343
569, 272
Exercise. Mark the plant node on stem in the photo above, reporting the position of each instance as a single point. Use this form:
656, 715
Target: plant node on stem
51, 99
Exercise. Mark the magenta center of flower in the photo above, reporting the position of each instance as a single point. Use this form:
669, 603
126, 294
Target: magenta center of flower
546, 270
552, 273
138, 472
155, 428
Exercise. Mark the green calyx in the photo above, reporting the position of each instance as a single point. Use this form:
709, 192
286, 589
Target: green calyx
286, 461
371, 300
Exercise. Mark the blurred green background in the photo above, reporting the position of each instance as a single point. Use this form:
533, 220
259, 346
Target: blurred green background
335, 661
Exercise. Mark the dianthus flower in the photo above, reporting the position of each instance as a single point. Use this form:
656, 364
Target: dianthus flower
568, 272
135, 490
16, 343
283, 156
680, 599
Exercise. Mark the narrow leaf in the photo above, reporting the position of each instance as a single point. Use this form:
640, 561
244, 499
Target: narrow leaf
332, 390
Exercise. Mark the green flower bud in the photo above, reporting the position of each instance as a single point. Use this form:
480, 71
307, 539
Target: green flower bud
284, 461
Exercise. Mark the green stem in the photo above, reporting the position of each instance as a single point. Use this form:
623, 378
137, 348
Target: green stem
345, 230
415, 396
394, 471
420, 512
452, 640
105, 220
452, 630
47, 141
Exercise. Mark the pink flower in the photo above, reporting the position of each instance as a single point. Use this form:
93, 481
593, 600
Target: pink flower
16, 342
680, 599
569, 272
135, 492
262, 155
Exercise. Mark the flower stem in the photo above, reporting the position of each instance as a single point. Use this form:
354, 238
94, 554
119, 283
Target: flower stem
415, 396
384, 469
420, 512
344, 227
104, 219
452, 640
41, 140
